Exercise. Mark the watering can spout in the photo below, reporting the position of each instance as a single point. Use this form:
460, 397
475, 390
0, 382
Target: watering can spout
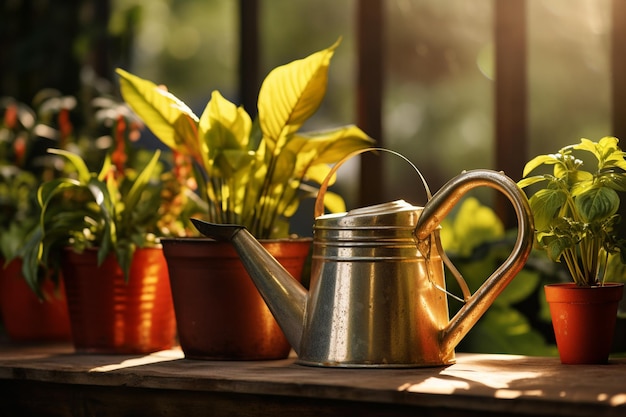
222, 232
285, 296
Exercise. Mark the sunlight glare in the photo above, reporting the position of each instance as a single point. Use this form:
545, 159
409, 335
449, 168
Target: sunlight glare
162, 356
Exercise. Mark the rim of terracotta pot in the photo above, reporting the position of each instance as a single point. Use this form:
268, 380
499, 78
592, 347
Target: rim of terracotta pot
111, 252
192, 247
570, 292
202, 240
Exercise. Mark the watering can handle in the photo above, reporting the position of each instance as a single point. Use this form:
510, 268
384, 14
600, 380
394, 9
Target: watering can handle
437, 209
319, 202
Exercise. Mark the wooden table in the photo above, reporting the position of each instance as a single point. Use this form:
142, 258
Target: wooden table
55, 381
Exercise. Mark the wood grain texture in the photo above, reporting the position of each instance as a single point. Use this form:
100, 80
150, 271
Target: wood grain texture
61, 383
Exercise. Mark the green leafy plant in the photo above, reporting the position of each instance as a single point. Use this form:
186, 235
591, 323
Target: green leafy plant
112, 210
26, 132
19, 174
576, 210
253, 173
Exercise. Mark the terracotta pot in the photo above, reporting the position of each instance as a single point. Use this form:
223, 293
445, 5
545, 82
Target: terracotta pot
583, 319
110, 315
219, 312
26, 318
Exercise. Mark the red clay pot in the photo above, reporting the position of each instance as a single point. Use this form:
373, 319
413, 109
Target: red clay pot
583, 319
110, 315
26, 318
219, 312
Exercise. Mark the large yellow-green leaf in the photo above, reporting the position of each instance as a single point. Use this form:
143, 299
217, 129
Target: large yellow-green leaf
319, 172
222, 126
165, 115
329, 147
292, 93
285, 167
234, 163
334, 202
334, 145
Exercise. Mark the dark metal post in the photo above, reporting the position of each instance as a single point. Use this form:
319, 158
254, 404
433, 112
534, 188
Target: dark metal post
249, 55
618, 69
511, 127
370, 19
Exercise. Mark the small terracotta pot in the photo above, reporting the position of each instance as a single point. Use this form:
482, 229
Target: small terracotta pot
26, 318
583, 319
219, 312
110, 315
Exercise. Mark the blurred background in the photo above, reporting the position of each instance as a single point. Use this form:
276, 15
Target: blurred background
437, 59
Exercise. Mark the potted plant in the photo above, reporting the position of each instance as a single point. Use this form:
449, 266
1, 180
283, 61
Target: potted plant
26, 317
253, 173
576, 213
101, 229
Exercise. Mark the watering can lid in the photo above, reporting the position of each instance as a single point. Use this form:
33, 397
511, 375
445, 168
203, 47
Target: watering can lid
397, 213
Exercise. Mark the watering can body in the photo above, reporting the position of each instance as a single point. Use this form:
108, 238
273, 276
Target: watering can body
374, 299
377, 293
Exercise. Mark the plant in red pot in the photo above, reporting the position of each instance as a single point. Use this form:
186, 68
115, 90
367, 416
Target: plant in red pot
101, 230
576, 213
25, 317
253, 173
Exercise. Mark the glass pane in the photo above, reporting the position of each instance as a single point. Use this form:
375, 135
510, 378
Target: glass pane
286, 36
438, 101
569, 72
191, 46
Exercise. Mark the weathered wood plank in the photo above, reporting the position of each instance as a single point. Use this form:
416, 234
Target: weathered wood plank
165, 381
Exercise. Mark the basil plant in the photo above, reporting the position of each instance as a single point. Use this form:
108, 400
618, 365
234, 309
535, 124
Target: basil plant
576, 209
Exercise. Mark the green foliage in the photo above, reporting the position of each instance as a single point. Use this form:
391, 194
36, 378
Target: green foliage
253, 173
575, 212
112, 210
506, 330
475, 240
472, 225
21, 172
18, 208
27, 131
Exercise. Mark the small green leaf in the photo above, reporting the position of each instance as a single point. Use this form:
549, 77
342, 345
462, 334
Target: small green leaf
555, 246
525, 182
76, 161
597, 204
545, 204
538, 161
140, 183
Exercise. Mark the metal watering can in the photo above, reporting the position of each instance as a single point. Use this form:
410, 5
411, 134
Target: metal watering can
377, 293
